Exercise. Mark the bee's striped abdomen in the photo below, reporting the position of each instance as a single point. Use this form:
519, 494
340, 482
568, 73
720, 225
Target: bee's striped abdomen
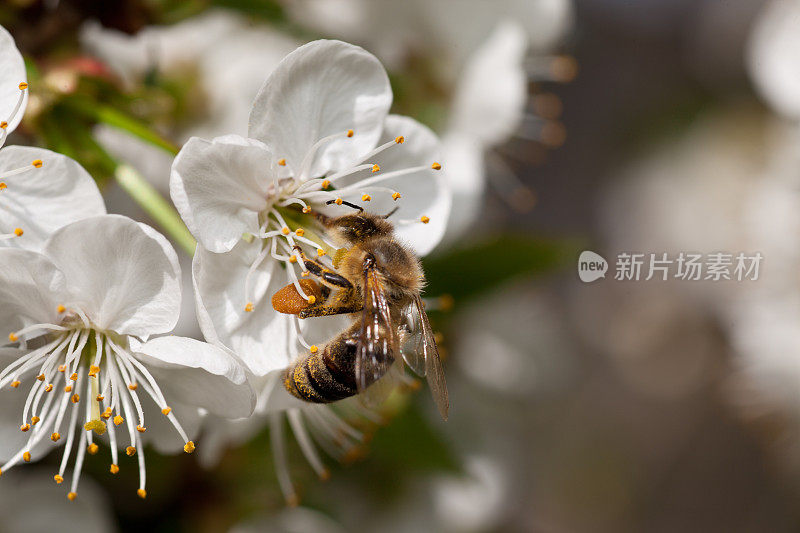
324, 377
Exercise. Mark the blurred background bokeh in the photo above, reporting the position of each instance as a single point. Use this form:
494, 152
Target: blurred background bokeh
609, 125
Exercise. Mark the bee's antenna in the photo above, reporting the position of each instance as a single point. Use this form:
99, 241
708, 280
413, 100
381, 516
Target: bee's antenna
390, 213
345, 202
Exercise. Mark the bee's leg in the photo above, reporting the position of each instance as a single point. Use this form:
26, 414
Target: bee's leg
342, 302
323, 273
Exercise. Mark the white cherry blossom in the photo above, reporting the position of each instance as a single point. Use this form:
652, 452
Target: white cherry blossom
78, 316
320, 134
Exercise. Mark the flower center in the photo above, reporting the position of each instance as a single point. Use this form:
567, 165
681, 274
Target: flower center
4, 123
85, 382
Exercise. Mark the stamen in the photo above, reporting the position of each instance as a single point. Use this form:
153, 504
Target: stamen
305, 166
306, 445
279, 452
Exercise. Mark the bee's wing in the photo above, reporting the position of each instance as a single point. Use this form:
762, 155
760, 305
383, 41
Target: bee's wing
433, 365
377, 341
411, 345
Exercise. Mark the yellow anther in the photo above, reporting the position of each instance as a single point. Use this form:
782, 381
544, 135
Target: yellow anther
306, 209
166, 411
14, 384
375, 168
436, 166
320, 252
98, 426
55, 436
141, 429
76, 398
94, 370
313, 348
299, 232
312, 300
68, 388
92, 448
40, 377
12, 337
61, 309
249, 307
74, 376
49, 387
1, 472
326, 184
282, 162
349, 133
142, 493
130, 451
62, 368
424, 219
366, 198
3, 185
133, 386
114, 469
23, 86
396, 196
99, 398
118, 420
285, 230
71, 496
304, 273
26, 457
24, 427
37, 163
338, 201
189, 447
293, 258
58, 479
35, 420
400, 139
18, 232
4, 124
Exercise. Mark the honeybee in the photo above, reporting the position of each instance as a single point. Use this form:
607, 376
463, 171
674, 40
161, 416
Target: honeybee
377, 281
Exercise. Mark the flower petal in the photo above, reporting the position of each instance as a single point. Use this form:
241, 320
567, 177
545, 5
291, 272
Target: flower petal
123, 274
31, 289
220, 186
41, 200
489, 103
424, 193
199, 374
466, 175
12, 73
320, 89
262, 339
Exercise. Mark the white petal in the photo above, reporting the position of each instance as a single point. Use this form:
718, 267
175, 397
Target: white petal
262, 339
424, 193
773, 56
41, 200
465, 173
31, 289
490, 98
320, 89
123, 274
199, 374
220, 186
12, 73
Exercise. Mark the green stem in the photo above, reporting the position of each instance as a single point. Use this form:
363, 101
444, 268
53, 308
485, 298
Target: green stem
155, 206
